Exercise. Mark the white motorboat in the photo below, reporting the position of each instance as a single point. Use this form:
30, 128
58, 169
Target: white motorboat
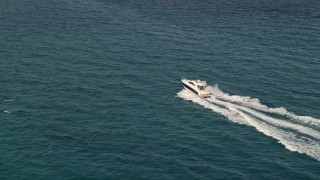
196, 86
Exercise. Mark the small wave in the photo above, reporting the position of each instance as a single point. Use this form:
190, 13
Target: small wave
244, 110
9, 100
5, 111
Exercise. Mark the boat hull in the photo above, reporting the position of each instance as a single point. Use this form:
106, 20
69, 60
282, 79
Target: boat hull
186, 86
190, 88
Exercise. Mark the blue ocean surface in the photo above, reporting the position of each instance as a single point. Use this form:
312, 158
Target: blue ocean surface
91, 89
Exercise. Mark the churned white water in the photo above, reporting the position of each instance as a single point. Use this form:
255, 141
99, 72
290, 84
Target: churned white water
296, 133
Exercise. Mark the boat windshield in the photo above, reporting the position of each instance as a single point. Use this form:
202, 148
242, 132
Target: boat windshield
201, 87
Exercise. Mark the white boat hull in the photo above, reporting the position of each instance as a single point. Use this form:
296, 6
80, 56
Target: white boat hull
196, 86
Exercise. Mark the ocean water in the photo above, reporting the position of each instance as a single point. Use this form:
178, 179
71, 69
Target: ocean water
91, 89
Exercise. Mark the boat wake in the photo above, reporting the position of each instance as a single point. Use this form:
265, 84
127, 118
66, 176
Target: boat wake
296, 133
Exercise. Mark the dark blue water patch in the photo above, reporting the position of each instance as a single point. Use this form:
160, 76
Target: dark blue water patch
94, 87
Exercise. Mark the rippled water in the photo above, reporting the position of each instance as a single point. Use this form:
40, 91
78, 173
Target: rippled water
91, 89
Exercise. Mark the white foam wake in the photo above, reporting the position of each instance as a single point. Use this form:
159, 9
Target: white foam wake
294, 136
274, 121
256, 104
